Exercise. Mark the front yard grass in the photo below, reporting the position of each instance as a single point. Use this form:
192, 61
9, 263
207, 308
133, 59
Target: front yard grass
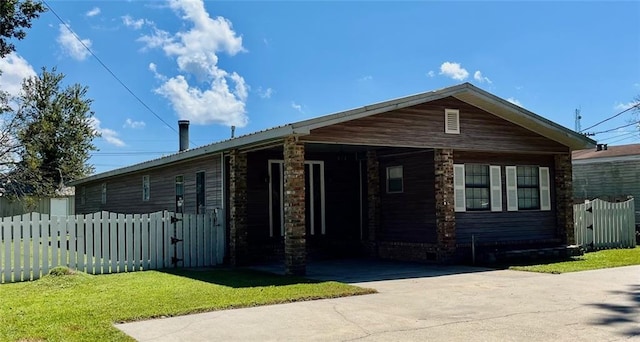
82, 307
589, 261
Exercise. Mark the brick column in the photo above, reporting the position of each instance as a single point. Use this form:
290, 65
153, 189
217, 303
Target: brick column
564, 197
445, 206
238, 248
373, 201
295, 247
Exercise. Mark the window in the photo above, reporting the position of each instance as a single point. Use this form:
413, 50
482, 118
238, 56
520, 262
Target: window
528, 183
394, 179
476, 179
200, 191
528, 188
477, 187
104, 193
179, 194
83, 195
452, 121
145, 188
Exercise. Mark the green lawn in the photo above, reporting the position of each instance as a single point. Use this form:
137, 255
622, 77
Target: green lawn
82, 307
589, 261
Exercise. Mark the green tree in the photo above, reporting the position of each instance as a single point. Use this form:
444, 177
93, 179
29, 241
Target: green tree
15, 16
55, 133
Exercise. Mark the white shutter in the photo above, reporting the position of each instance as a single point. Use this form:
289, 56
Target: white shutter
496, 188
545, 192
452, 121
512, 188
458, 187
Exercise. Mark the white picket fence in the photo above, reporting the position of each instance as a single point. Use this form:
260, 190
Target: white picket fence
104, 242
600, 224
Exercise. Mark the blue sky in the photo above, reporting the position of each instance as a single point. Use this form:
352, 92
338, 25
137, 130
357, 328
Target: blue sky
261, 64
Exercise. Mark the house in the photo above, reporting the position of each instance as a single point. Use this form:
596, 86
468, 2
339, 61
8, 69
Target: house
415, 178
17, 199
611, 173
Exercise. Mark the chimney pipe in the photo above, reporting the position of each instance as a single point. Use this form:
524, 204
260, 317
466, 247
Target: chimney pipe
233, 132
184, 134
598, 147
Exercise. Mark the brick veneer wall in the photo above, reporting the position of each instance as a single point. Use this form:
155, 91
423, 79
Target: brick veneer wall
445, 206
373, 201
238, 208
295, 252
564, 197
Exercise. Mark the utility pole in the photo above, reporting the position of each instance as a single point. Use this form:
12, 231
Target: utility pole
578, 117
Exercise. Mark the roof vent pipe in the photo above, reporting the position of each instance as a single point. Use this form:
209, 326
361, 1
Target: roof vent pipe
184, 134
605, 146
599, 147
233, 132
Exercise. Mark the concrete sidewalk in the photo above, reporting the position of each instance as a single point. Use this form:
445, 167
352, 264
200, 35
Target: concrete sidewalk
602, 305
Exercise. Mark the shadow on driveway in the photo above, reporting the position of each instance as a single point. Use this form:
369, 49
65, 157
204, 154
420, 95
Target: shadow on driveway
368, 270
622, 315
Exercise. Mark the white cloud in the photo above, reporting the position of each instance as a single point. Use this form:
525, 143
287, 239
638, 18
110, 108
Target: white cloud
366, 78
215, 95
154, 69
297, 107
454, 70
128, 123
514, 101
135, 24
624, 106
72, 46
14, 69
265, 93
478, 77
93, 12
109, 135
431, 74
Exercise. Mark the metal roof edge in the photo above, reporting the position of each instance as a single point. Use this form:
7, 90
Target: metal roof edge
214, 148
587, 142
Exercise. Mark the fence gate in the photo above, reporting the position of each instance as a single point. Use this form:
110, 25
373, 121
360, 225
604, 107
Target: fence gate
600, 224
100, 243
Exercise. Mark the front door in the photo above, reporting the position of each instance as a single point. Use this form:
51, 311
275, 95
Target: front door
314, 197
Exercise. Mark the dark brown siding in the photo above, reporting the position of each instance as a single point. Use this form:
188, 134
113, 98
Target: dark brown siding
342, 205
408, 216
523, 225
423, 126
124, 193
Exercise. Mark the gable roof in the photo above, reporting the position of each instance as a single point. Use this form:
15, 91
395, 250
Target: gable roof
465, 92
610, 152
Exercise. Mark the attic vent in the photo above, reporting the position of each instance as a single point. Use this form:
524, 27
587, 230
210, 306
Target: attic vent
452, 121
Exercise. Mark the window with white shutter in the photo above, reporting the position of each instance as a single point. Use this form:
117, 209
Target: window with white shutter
452, 121
545, 192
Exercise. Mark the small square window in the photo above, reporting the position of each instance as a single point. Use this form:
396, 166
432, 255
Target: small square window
394, 179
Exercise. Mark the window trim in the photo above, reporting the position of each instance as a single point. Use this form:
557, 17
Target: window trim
175, 180
494, 188
204, 191
146, 188
401, 178
544, 188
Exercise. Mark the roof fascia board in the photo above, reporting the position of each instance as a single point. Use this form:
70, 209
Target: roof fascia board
525, 116
219, 147
379, 108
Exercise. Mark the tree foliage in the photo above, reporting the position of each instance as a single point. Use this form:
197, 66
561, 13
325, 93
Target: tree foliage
15, 16
53, 134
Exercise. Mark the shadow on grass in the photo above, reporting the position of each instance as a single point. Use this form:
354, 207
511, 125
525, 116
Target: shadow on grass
505, 264
623, 316
238, 278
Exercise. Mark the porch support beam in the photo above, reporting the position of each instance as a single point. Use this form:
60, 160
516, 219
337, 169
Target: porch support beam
564, 197
445, 206
238, 247
295, 248
373, 201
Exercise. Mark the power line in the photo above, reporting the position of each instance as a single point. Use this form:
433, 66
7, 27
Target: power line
626, 134
613, 129
607, 119
109, 70
615, 141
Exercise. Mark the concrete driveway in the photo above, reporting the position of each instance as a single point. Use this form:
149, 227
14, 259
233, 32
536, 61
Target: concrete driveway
420, 303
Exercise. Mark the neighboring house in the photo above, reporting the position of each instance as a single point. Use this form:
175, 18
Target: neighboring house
414, 178
62, 204
611, 173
